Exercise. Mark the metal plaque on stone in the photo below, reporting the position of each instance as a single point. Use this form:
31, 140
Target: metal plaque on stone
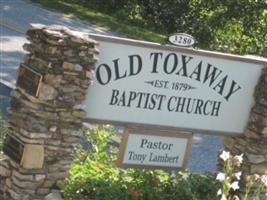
29, 80
13, 148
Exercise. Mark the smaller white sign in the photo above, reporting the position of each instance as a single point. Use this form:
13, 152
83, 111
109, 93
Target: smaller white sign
156, 151
182, 39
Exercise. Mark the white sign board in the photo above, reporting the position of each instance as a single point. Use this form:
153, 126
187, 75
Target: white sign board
147, 83
154, 150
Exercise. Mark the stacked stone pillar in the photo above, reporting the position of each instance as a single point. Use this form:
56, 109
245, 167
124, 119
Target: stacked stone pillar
253, 143
49, 123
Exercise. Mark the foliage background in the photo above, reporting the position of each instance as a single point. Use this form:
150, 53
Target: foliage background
233, 26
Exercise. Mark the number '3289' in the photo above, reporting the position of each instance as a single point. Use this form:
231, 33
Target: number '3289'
182, 39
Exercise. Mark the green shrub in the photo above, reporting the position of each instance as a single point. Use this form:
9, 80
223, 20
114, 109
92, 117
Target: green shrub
236, 37
94, 175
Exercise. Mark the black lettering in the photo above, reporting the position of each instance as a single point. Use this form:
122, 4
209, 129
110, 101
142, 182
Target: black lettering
143, 142
131, 98
122, 99
199, 106
160, 101
188, 105
197, 72
184, 63
153, 102
169, 103
232, 90
205, 107
155, 61
220, 85
180, 104
155, 145
147, 98
131, 155
99, 77
165, 146
140, 99
166, 61
216, 108
117, 72
114, 97
139, 65
212, 76
170, 146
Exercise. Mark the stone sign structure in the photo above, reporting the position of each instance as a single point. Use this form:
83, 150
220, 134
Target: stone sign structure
253, 143
47, 110
45, 117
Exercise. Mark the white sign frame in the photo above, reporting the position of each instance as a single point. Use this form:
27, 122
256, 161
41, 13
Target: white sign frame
130, 133
229, 124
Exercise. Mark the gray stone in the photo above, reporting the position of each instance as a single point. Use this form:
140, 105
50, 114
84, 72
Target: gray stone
8, 182
39, 177
65, 115
251, 134
55, 195
14, 195
25, 184
25, 177
34, 60
70, 73
34, 135
53, 128
57, 175
4, 160
78, 132
43, 191
32, 140
51, 50
52, 79
71, 89
259, 169
90, 74
53, 33
48, 183
255, 159
68, 65
82, 53
79, 113
5, 172
31, 104
47, 92
229, 142
74, 140
51, 148
21, 94
53, 142
37, 26
45, 115
68, 53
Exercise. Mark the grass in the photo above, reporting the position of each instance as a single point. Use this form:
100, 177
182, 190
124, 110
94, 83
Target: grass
111, 23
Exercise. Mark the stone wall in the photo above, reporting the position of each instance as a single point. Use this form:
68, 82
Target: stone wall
48, 124
253, 143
